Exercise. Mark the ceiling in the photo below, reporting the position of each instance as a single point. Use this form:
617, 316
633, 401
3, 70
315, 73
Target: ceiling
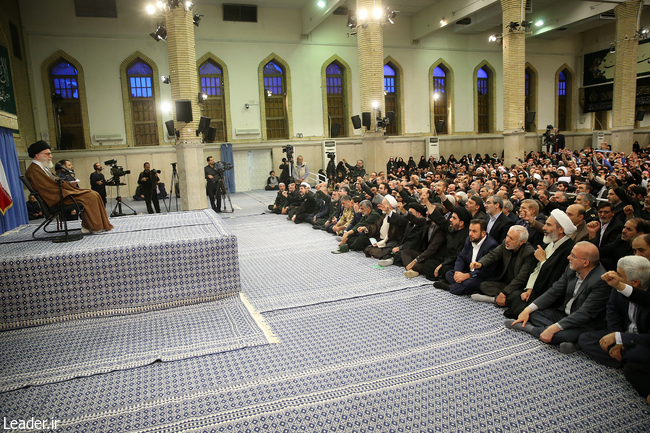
561, 17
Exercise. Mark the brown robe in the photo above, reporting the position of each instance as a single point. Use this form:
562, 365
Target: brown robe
47, 187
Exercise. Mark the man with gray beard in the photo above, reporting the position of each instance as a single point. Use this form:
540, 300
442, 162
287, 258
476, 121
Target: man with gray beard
552, 262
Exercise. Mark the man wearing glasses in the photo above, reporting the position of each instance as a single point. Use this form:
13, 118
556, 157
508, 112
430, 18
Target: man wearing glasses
45, 182
574, 304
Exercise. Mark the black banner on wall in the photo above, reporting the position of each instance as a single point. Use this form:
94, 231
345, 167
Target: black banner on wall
7, 99
599, 66
600, 98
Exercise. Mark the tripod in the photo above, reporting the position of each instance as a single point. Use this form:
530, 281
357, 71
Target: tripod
223, 190
172, 190
117, 210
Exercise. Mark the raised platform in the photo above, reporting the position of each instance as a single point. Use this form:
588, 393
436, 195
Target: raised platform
147, 262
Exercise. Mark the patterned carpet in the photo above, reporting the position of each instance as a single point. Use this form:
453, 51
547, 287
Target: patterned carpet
359, 350
62, 351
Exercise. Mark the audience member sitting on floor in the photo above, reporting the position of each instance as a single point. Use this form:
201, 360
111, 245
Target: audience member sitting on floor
33, 208
574, 304
307, 204
272, 182
515, 258
357, 237
552, 263
45, 182
280, 200
464, 279
627, 337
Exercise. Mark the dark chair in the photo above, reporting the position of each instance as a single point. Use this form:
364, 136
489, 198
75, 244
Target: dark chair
52, 213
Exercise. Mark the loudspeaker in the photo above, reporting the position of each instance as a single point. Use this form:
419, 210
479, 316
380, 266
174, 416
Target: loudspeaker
204, 124
530, 117
211, 135
365, 119
391, 117
170, 127
184, 110
356, 122
440, 126
640, 115
336, 128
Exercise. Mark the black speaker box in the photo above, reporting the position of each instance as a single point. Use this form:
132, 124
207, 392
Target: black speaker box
356, 122
211, 135
184, 110
640, 115
365, 119
204, 124
170, 127
530, 117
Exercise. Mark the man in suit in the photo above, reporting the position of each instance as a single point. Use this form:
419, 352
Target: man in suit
622, 245
464, 279
628, 324
581, 295
608, 229
532, 221
515, 257
434, 240
558, 139
576, 214
552, 262
497, 222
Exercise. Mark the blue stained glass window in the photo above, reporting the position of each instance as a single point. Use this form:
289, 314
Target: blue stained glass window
210, 68
271, 68
561, 85
527, 85
481, 73
388, 71
140, 68
141, 87
437, 72
389, 84
333, 69
64, 68
211, 86
66, 87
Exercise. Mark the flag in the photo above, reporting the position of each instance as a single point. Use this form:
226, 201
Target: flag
5, 194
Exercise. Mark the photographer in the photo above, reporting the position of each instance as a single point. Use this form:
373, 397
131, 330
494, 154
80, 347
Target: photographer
98, 182
284, 175
148, 180
213, 173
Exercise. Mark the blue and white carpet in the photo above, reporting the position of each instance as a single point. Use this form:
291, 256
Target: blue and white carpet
62, 351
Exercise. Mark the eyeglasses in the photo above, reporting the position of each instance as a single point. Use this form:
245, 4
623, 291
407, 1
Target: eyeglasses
573, 256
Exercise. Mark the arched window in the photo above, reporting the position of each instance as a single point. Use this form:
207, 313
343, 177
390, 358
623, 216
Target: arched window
143, 103
562, 100
336, 108
67, 107
211, 76
391, 98
275, 101
440, 85
483, 100
530, 98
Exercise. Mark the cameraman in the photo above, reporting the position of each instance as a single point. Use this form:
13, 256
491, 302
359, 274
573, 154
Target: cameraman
98, 182
148, 180
213, 173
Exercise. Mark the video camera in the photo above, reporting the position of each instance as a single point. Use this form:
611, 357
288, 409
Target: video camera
222, 166
331, 155
548, 136
288, 149
117, 171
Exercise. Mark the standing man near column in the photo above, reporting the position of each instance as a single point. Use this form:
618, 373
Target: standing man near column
300, 171
148, 181
97, 182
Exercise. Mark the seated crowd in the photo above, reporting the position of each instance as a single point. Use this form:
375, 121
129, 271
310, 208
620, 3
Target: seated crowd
560, 242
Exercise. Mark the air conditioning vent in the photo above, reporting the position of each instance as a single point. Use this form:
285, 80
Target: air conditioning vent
529, 6
240, 13
465, 21
609, 15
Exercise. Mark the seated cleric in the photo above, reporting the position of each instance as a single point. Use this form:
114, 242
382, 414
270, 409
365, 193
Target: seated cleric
45, 182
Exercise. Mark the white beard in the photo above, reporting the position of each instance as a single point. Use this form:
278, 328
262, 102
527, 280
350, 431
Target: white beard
550, 238
48, 164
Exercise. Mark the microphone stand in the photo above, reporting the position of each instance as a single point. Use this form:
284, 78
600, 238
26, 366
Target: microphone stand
67, 237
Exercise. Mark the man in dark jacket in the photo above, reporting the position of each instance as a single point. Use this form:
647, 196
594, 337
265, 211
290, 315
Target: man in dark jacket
515, 259
308, 204
357, 237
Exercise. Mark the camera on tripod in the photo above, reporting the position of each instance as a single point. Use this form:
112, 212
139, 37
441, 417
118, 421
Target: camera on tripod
117, 171
153, 170
331, 155
288, 149
548, 135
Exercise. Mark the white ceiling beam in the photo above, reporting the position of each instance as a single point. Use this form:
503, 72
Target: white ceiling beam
566, 13
312, 16
428, 20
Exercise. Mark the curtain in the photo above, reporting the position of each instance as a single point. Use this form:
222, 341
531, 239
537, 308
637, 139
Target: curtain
226, 156
17, 214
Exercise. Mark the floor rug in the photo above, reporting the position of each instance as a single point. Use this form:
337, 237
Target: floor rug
410, 360
57, 352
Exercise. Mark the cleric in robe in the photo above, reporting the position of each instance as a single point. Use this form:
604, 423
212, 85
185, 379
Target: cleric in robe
45, 183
